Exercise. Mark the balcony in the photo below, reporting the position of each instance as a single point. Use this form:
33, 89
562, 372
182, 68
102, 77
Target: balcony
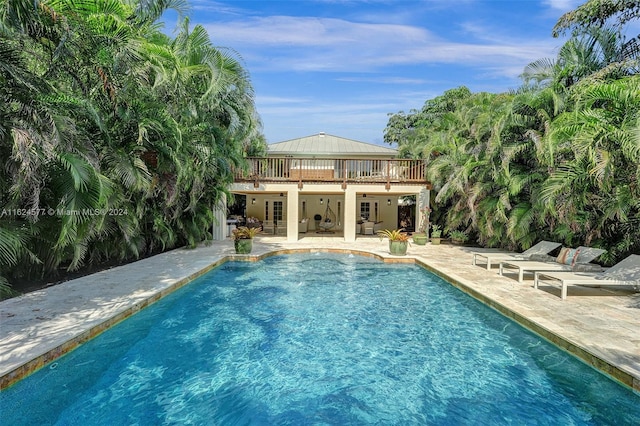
337, 170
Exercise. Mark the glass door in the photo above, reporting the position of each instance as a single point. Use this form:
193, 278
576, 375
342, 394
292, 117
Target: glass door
274, 211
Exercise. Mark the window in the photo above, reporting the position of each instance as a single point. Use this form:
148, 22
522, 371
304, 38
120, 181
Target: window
277, 211
365, 210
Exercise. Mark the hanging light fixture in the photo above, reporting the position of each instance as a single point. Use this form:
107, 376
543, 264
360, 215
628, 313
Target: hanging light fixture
321, 201
388, 201
253, 201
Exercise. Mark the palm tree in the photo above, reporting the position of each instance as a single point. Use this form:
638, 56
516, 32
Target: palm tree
101, 90
598, 151
29, 139
596, 13
580, 57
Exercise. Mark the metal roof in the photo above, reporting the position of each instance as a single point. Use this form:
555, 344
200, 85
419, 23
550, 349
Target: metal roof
323, 144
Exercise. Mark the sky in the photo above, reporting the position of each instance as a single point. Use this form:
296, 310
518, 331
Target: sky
342, 67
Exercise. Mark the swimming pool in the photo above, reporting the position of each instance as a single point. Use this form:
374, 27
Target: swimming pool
318, 339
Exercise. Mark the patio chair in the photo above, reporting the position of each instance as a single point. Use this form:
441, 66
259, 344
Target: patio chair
367, 228
583, 255
268, 227
281, 228
328, 222
543, 247
624, 273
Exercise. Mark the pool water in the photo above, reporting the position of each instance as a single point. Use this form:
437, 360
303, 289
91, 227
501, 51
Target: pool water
318, 339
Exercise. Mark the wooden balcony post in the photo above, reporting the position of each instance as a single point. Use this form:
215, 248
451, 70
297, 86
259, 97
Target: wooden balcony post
387, 186
344, 174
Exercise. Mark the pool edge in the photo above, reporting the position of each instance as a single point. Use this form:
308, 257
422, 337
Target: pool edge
31, 366
614, 372
617, 374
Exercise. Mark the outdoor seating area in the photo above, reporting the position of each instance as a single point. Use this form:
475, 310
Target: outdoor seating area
366, 228
543, 247
565, 261
570, 267
269, 227
370, 228
274, 227
624, 273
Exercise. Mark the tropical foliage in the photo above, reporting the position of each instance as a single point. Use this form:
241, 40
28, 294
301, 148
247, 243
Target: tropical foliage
557, 159
117, 141
244, 233
393, 234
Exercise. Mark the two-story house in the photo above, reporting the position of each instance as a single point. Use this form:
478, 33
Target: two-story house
325, 184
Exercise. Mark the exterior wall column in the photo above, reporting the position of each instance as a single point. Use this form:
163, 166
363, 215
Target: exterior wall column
219, 229
422, 200
350, 214
292, 215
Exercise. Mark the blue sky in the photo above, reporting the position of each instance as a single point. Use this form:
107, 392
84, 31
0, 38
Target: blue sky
340, 66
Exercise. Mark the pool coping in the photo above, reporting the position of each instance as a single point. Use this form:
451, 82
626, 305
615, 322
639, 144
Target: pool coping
615, 372
24, 363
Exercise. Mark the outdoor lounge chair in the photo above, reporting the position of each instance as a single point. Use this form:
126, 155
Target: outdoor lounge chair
624, 273
268, 227
584, 256
367, 228
543, 247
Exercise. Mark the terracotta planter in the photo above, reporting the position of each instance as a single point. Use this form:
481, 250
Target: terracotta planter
243, 246
398, 248
420, 238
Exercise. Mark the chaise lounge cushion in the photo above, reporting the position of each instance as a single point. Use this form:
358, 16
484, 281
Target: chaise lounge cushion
588, 267
539, 257
568, 256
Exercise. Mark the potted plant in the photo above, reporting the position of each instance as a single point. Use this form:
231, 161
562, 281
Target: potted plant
458, 237
421, 237
398, 240
436, 234
243, 239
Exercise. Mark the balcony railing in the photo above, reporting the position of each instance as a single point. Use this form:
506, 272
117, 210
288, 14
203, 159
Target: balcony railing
338, 170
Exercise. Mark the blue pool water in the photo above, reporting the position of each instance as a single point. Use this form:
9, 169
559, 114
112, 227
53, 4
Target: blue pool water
318, 339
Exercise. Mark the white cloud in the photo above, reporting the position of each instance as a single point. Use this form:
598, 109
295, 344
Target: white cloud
308, 31
343, 74
281, 100
217, 7
563, 5
321, 44
384, 80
